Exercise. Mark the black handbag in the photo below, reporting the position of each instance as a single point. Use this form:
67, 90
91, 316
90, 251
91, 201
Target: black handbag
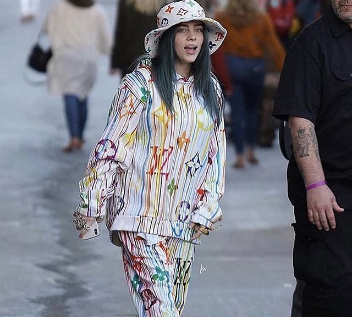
39, 57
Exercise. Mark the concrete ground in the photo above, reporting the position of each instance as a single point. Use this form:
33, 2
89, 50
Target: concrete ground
243, 269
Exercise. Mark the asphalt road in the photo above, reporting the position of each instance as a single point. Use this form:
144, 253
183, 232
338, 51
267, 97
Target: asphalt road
243, 269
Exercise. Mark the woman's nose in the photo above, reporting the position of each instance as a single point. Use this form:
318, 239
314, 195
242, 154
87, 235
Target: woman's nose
192, 35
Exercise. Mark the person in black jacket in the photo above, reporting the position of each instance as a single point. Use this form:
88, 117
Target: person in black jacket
135, 18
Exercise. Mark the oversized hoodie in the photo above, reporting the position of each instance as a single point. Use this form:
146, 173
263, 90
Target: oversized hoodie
154, 171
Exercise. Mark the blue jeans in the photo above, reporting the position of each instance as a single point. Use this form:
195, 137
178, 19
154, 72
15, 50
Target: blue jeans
247, 76
76, 115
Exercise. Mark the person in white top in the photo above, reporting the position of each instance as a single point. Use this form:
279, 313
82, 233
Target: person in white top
158, 172
78, 32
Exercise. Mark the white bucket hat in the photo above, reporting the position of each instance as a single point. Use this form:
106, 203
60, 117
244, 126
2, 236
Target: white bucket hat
183, 11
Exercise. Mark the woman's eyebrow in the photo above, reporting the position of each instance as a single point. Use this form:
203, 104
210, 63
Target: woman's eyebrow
188, 23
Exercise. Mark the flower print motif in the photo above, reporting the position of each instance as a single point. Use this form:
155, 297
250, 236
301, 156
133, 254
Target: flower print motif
172, 187
145, 93
160, 274
169, 10
136, 281
205, 122
149, 299
83, 203
137, 263
201, 193
166, 251
105, 150
162, 114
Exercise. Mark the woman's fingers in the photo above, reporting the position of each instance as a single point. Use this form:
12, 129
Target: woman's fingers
199, 230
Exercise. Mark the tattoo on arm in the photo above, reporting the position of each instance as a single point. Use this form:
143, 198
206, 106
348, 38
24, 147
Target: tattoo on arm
314, 142
301, 142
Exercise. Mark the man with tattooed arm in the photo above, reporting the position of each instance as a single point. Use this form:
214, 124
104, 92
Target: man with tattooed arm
315, 97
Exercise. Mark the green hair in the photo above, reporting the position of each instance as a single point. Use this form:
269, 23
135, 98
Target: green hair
164, 73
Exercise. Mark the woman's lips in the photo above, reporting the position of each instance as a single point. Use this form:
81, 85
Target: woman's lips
191, 49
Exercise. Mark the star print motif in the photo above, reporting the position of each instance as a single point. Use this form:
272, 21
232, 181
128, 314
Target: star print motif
193, 165
182, 140
182, 12
128, 109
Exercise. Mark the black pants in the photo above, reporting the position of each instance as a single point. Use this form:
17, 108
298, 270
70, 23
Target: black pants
323, 260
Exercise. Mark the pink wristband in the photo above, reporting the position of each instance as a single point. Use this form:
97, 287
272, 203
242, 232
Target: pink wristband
317, 184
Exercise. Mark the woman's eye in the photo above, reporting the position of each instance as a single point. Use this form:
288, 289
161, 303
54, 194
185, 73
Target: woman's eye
200, 30
182, 30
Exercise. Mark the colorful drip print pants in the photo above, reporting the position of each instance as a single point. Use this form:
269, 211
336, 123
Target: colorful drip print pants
157, 274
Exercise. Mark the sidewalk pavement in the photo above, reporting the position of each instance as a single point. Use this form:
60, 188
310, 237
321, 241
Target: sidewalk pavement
243, 269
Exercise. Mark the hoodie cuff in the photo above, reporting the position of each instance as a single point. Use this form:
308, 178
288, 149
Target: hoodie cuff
202, 221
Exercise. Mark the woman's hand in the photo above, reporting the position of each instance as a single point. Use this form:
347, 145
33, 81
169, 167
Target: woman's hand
82, 223
200, 229
90, 221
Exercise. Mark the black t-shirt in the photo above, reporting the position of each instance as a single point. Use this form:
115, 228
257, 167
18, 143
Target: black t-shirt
316, 84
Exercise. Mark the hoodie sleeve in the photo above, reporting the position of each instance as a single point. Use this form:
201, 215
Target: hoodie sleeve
114, 151
208, 211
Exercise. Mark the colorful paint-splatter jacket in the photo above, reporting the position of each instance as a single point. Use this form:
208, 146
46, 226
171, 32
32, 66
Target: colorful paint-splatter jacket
154, 171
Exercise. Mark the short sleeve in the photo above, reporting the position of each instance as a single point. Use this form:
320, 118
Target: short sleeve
299, 88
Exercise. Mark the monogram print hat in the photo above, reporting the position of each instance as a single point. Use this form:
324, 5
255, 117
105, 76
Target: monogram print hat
183, 11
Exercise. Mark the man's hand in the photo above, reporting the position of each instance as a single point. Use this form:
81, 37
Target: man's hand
321, 203
200, 229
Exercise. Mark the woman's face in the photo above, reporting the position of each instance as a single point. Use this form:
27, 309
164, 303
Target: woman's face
188, 43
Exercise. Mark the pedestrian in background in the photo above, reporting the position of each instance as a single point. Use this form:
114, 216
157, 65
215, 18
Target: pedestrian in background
282, 14
28, 9
314, 95
308, 11
210, 6
157, 172
135, 18
78, 32
250, 36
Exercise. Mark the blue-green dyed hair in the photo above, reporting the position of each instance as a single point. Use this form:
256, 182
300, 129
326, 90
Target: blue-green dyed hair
164, 73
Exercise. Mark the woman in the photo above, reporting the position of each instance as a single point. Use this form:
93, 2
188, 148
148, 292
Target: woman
157, 173
78, 32
251, 39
